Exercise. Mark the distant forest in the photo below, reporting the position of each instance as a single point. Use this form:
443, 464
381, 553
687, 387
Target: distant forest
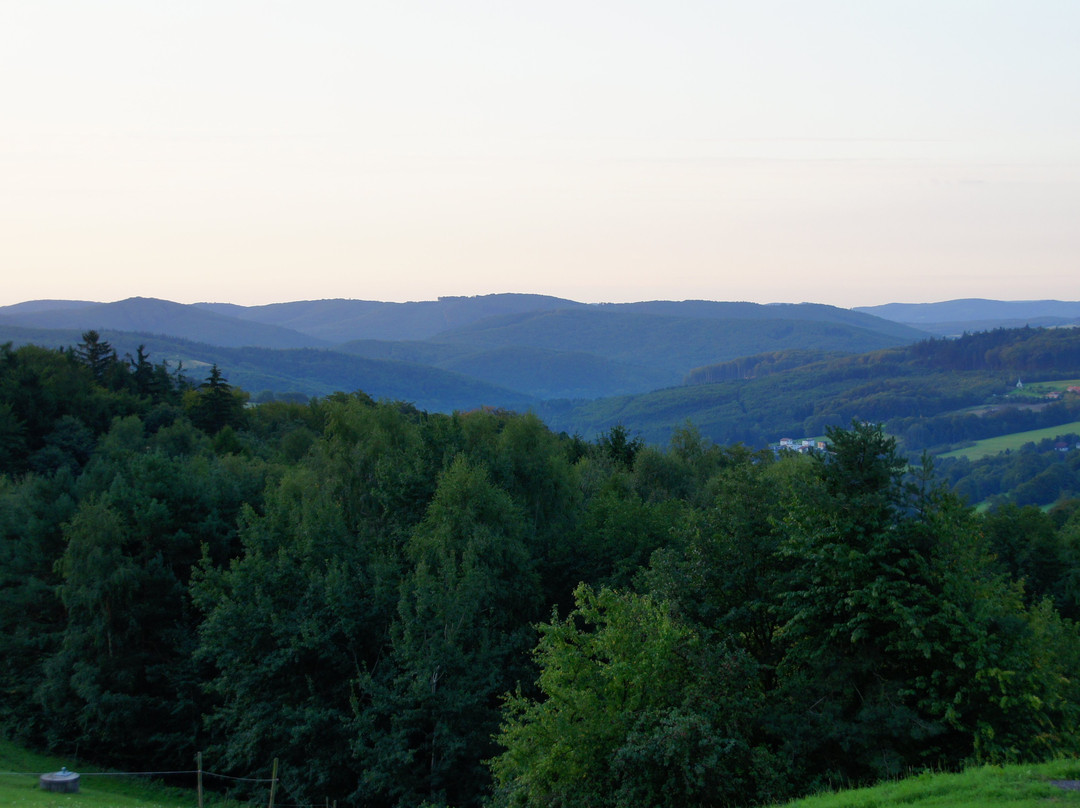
470, 609
917, 391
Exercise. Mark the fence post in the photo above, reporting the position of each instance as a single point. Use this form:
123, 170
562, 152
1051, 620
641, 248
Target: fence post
273, 783
198, 761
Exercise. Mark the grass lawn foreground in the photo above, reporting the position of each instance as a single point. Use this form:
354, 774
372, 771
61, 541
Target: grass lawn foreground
22, 790
1019, 786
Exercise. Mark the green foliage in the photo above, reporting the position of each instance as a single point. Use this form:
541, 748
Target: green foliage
427, 712
352, 586
749, 367
1034, 474
900, 632
215, 405
636, 710
122, 675
619, 447
32, 511
307, 603
917, 390
725, 573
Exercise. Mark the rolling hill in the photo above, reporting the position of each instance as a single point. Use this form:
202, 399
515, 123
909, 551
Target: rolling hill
954, 317
310, 371
919, 391
677, 343
346, 320
539, 372
152, 316
516, 348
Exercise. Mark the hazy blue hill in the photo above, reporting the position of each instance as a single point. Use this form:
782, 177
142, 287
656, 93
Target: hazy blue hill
955, 329
321, 372
342, 320
346, 320
47, 338
977, 314
153, 316
313, 372
719, 310
537, 372
539, 346
417, 351
560, 374
676, 343
30, 306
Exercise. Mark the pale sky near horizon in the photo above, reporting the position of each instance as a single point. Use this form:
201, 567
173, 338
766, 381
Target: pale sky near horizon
851, 153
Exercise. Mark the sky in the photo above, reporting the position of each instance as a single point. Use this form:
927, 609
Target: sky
851, 153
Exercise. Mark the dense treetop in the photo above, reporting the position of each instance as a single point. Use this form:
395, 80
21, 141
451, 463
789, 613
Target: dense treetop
469, 609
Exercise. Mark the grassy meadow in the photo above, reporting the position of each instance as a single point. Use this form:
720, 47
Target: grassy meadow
1037, 390
19, 787
992, 446
1020, 786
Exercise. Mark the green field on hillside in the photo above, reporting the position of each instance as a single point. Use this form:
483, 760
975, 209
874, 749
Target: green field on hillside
1013, 786
992, 446
19, 785
1036, 390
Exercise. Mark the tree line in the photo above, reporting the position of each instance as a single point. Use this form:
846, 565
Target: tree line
411, 608
1042, 474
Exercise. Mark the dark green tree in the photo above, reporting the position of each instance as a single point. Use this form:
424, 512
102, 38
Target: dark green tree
215, 404
142, 372
617, 444
426, 714
724, 572
899, 632
1029, 548
32, 510
122, 677
306, 605
97, 355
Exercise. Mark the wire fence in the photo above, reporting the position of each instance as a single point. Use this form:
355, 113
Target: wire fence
154, 774
200, 774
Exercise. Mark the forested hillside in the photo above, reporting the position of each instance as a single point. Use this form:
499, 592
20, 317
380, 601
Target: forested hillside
413, 608
300, 373
918, 391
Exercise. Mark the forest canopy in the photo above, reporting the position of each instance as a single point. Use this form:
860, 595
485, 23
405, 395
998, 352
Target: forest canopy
409, 608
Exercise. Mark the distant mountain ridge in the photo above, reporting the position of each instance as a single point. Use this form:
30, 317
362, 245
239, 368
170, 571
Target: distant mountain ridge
340, 320
511, 348
153, 316
955, 317
680, 343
